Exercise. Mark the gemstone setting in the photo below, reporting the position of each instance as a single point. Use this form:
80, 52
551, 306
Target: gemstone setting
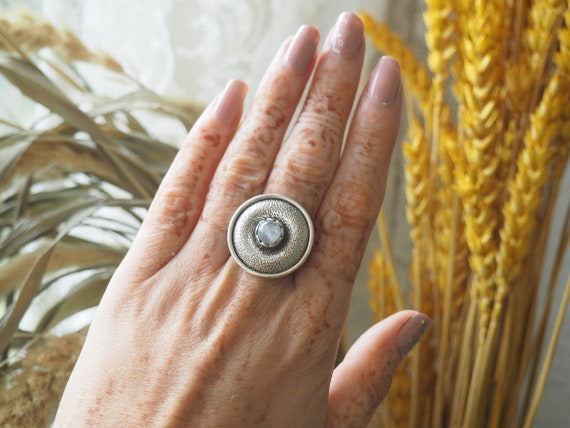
269, 232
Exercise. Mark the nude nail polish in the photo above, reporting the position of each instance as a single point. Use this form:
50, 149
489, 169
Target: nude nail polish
230, 104
301, 52
411, 332
385, 81
348, 35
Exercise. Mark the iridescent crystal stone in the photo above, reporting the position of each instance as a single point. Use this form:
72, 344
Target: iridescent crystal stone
269, 232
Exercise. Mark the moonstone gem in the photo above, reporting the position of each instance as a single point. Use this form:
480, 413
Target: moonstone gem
269, 232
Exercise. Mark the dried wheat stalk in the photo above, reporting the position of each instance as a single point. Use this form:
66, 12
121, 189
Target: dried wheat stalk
481, 183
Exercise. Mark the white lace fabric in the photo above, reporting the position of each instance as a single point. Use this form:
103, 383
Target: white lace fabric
190, 49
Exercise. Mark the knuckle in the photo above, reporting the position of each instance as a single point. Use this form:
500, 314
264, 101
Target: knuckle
263, 127
374, 144
353, 207
330, 98
174, 209
272, 113
311, 160
305, 180
278, 86
306, 170
366, 135
246, 172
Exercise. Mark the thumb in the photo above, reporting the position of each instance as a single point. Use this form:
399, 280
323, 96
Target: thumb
362, 380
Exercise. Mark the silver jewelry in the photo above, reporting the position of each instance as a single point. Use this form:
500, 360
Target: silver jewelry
270, 235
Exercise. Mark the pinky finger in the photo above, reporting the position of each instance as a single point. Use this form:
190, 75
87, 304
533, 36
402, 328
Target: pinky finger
362, 380
180, 198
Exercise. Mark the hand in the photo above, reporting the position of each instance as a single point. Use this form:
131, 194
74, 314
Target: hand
183, 336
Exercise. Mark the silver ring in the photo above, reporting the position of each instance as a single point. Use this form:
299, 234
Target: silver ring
270, 236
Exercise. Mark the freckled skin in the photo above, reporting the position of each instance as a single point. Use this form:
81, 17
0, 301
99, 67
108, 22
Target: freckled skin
183, 337
212, 139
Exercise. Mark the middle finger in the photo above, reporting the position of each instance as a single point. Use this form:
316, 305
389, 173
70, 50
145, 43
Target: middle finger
308, 159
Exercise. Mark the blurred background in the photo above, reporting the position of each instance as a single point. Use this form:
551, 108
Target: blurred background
189, 49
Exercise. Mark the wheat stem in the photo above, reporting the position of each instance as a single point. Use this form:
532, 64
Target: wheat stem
548, 357
445, 329
480, 195
390, 265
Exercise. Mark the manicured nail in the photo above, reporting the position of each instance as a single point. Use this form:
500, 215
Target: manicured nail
348, 35
385, 81
302, 50
230, 104
411, 332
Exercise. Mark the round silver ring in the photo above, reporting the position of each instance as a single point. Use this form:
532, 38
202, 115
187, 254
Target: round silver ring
270, 235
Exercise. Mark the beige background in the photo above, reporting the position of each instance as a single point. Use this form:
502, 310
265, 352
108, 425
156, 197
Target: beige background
190, 48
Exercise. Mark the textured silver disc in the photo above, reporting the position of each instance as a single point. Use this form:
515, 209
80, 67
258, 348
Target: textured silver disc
270, 235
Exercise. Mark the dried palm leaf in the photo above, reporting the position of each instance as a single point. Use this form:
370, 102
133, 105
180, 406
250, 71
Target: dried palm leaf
74, 185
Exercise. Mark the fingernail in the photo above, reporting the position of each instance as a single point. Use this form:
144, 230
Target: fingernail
411, 332
385, 81
349, 35
302, 50
230, 104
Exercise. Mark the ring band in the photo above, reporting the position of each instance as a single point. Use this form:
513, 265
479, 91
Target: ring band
270, 236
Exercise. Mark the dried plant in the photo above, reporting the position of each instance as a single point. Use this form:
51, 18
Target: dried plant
32, 387
488, 140
487, 144
74, 186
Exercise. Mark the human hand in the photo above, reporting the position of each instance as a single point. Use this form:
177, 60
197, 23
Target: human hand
183, 336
